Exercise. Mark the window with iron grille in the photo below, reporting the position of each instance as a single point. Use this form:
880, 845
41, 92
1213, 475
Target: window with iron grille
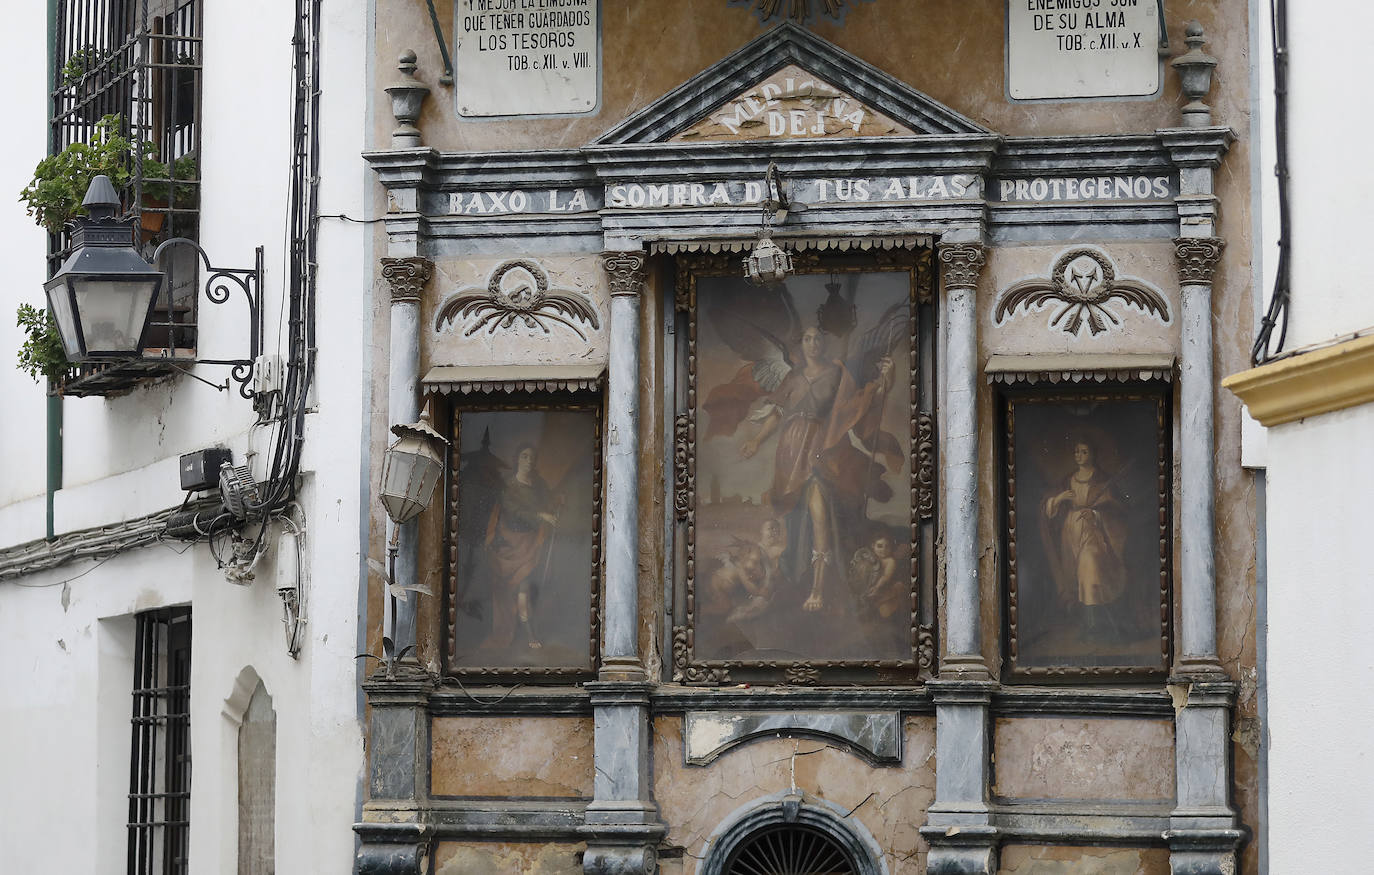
160, 760
140, 62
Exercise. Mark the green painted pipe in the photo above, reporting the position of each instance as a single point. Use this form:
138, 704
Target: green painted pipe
54, 417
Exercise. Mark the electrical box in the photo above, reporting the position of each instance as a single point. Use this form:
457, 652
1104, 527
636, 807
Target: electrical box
267, 374
200, 470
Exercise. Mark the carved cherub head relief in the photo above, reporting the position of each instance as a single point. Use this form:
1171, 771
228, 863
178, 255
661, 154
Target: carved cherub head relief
517, 291
1082, 281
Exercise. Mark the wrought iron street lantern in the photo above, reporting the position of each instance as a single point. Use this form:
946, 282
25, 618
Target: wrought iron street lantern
103, 295
411, 469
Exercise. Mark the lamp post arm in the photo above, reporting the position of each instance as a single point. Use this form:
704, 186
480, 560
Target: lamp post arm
218, 289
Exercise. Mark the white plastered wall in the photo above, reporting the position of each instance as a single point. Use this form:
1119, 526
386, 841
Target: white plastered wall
66, 633
1320, 472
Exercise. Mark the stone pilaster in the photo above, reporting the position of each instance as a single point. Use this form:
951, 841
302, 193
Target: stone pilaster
959, 827
407, 278
622, 827
394, 834
963, 840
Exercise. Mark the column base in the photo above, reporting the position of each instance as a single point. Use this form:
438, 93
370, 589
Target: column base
969, 667
1206, 668
392, 849
1203, 851
622, 670
392, 860
970, 850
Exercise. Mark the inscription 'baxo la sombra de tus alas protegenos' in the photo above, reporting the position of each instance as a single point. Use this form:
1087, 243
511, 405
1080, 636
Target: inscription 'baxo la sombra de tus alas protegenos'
811, 192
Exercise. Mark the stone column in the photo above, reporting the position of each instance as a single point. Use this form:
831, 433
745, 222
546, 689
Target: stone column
620, 617
622, 826
407, 278
958, 826
960, 265
1202, 834
1197, 259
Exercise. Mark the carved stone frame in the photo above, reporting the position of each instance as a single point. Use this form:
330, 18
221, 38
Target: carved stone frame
550, 401
686, 668
1008, 398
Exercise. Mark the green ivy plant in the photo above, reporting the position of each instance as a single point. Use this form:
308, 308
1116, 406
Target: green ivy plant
41, 355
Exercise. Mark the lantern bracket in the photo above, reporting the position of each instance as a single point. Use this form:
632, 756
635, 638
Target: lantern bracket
219, 286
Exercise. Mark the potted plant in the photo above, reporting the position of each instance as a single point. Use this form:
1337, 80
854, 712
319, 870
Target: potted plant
41, 354
53, 197
159, 182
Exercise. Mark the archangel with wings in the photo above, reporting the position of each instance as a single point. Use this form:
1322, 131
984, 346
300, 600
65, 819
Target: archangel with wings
812, 392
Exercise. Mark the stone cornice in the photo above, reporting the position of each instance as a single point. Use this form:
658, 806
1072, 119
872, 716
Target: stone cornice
1324, 380
1197, 147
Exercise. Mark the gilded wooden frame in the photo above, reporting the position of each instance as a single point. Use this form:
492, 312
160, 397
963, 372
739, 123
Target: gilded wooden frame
1097, 541
687, 665
588, 403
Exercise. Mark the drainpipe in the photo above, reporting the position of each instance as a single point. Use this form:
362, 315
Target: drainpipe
54, 417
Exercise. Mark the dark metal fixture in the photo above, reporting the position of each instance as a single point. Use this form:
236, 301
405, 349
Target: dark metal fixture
104, 294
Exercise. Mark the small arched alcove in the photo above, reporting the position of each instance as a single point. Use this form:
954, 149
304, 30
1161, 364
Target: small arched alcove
787, 834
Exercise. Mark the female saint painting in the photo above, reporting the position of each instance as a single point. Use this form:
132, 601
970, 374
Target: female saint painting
523, 568
801, 415
1087, 514
1085, 536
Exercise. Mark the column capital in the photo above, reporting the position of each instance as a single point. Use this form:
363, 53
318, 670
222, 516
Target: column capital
626, 272
1197, 259
407, 277
961, 264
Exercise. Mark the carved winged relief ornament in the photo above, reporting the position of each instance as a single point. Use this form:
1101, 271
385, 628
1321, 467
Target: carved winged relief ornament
517, 291
1082, 281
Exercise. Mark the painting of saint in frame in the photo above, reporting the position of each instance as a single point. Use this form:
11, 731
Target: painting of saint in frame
1088, 535
525, 540
803, 537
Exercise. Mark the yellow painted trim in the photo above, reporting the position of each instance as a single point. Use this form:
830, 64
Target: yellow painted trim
1332, 378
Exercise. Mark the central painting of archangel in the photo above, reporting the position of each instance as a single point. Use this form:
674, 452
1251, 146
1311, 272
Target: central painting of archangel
803, 536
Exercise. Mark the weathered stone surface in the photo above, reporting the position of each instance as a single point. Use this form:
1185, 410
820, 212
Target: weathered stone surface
1060, 860
889, 801
462, 858
1071, 758
512, 756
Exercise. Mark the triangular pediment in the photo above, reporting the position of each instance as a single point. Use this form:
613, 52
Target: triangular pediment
789, 84
791, 104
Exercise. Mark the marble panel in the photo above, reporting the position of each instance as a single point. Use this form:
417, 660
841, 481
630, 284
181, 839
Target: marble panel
512, 756
1062, 860
710, 733
1084, 758
487, 858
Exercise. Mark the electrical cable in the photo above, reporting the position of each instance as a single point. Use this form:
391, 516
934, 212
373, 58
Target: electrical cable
1276, 315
